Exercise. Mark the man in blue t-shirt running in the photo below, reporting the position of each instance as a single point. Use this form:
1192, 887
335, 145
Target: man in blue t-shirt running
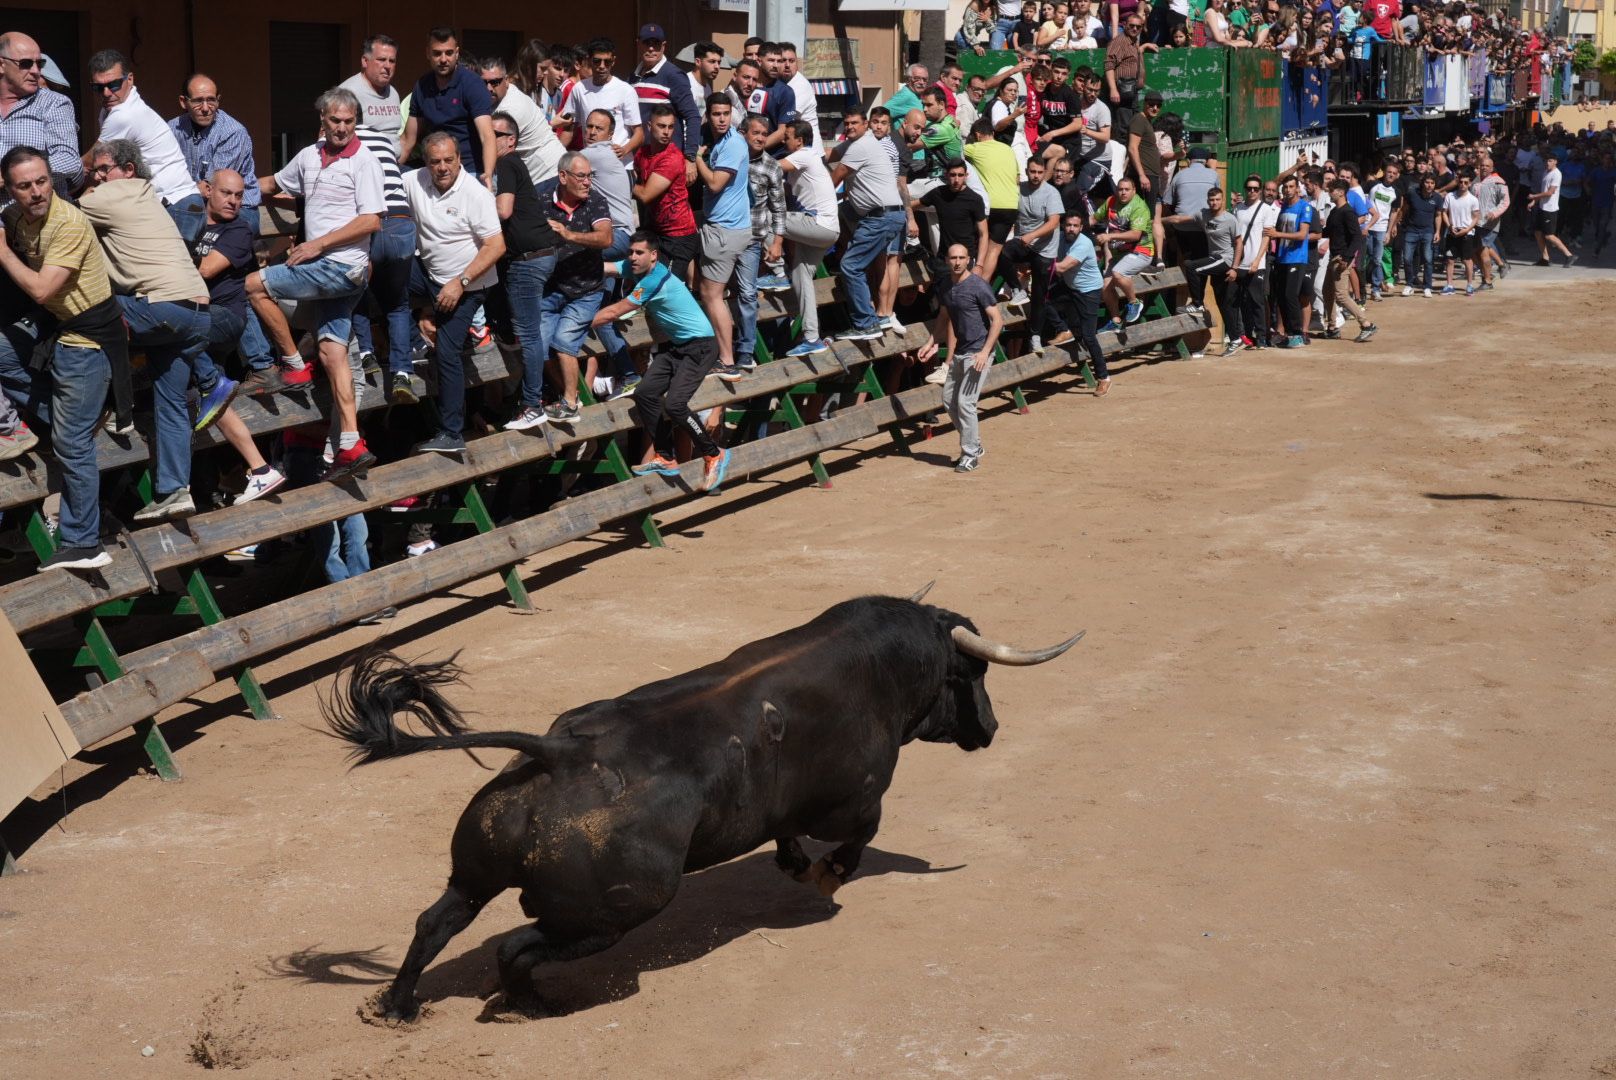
1296, 220
686, 352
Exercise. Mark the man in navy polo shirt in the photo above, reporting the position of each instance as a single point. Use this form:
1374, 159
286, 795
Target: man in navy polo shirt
453, 99
776, 102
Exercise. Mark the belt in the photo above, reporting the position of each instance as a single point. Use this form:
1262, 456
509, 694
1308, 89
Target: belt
536, 253
194, 305
401, 214
889, 209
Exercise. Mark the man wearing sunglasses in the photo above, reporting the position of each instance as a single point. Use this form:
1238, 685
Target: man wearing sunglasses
451, 98
124, 115
605, 91
537, 144
32, 114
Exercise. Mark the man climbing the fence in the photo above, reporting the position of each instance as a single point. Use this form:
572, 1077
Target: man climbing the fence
685, 354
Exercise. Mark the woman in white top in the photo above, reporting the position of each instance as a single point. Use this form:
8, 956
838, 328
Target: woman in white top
1217, 27
1057, 32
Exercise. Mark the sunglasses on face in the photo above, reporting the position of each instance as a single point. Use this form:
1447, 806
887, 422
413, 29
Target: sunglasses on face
112, 86
491, 83
601, 61
26, 63
504, 134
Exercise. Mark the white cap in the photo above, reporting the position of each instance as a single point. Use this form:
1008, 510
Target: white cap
52, 73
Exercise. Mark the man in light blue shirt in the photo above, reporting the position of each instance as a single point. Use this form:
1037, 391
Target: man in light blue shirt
723, 169
1076, 292
683, 356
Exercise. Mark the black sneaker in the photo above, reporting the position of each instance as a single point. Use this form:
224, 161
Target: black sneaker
730, 373
967, 464
441, 443
562, 412
402, 391
1571, 260
1366, 332
77, 558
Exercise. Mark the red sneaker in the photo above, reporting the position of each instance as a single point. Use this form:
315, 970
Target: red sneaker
301, 377
354, 462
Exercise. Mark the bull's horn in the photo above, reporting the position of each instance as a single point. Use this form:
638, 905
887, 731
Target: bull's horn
994, 653
924, 589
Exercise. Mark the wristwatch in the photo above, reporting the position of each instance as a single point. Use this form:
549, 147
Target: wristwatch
465, 283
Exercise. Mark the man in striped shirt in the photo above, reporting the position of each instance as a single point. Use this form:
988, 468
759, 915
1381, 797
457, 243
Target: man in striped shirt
392, 250
32, 114
766, 186
657, 80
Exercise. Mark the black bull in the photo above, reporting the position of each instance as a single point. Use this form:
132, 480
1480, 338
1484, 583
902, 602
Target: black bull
795, 735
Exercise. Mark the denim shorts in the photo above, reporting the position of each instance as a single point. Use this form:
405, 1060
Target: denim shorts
566, 321
332, 287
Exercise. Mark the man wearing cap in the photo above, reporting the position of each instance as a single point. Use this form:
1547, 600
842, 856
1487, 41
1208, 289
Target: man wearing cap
1186, 198
32, 114
1144, 158
657, 80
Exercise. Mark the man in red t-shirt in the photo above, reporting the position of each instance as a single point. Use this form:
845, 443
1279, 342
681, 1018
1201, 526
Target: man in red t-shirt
1384, 16
659, 185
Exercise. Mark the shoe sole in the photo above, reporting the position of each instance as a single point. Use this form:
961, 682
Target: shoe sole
714, 483
95, 563
358, 467
515, 426
166, 515
445, 450
641, 470
730, 375
403, 397
209, 419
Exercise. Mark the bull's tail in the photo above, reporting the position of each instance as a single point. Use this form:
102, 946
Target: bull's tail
362, 708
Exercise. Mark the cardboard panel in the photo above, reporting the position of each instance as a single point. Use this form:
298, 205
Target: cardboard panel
36, 738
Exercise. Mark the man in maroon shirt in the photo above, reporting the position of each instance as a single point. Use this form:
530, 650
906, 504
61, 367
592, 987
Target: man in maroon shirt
659, 186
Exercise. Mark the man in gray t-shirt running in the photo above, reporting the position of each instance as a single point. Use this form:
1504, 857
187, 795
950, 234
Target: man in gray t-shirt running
968, 326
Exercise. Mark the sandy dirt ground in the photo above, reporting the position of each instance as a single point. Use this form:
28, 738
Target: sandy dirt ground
1325, 792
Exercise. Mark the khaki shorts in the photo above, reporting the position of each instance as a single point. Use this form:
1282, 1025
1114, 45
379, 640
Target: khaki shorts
720, 248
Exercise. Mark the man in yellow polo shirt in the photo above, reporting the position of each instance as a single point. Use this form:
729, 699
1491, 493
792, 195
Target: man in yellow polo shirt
49, 249
996, 164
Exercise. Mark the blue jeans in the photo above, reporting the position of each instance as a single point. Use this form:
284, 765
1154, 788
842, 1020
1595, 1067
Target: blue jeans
1002, 29
173, 336
745, 301
610, 339
1417, 241
392, 252
343, 542
79, 379
224, 330
17, 380
524, 284
1374, 245
871, 238
454, 346
333, 286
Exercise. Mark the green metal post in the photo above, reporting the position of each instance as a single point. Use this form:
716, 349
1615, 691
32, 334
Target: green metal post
476, 512
207, 609
110, 667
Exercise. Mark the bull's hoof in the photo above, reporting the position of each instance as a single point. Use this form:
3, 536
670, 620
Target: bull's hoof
506, 1009
822, 877
379, 1010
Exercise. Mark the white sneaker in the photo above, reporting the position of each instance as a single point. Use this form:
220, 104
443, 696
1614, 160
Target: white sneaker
939, 376
1408, 290
530, 417
1036, 342
1428, 294
891, 323
1019, 298
415, 551
258, 486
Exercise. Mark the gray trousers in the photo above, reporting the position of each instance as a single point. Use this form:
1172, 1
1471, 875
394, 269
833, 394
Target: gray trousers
810, 239
961, 388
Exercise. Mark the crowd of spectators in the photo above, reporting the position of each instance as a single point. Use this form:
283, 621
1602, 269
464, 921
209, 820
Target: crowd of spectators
546, 201
1320, 33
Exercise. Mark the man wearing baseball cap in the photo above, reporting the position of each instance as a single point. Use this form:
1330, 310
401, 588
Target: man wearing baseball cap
658, 81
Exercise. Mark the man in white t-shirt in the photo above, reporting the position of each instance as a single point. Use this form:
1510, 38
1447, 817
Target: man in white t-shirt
708, 59
1251, 260
1461, 210
880, 216
536, 143
608, 93
811, 226
124, 115
807, 99
1547, 201
459, 240
1383, 198
340, 183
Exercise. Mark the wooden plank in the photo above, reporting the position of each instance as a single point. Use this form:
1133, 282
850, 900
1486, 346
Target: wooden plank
229, 644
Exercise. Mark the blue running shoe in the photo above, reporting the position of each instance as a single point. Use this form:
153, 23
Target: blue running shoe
214, 403
808, 348
1135, 310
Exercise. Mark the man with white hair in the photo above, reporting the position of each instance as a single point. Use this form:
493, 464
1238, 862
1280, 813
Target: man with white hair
124, 115
32, 114
341, 185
